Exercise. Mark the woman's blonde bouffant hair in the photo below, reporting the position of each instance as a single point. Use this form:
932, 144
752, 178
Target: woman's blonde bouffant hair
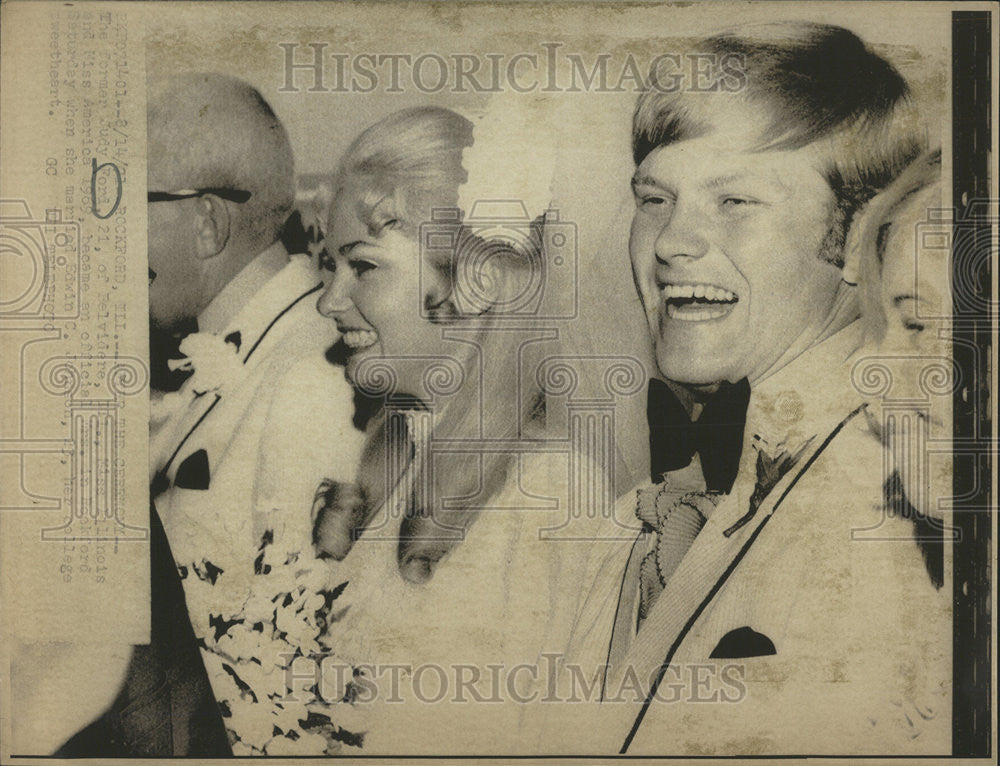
410, 165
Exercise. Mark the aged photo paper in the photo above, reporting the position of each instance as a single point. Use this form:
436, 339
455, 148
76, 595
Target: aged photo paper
527, 379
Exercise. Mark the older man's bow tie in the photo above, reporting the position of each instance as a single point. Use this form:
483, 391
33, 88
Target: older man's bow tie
717, 436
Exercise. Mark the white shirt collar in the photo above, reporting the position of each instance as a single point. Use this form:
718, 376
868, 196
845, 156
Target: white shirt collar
807, 396
239, 291
842, 313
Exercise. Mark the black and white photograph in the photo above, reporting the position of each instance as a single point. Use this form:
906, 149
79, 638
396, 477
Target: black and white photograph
424, 380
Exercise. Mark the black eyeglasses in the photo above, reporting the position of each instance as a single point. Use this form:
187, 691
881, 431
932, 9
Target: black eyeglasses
233, 195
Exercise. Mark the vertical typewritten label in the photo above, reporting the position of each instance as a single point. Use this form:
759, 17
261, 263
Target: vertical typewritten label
73, 327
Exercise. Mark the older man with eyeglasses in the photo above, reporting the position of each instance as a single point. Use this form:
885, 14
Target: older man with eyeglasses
261, 419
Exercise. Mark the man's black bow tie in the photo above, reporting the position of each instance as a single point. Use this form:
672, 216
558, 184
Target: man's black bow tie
717, 436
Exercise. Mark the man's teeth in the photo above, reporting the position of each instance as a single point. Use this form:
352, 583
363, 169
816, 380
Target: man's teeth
697, 302
693, 313
706, 292
360, 338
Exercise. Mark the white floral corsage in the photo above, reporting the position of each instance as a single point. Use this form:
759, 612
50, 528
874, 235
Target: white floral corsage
215, 364
253, 627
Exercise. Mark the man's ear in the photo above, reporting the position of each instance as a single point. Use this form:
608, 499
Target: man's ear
211, 226
859, 235
852, 258
852, 250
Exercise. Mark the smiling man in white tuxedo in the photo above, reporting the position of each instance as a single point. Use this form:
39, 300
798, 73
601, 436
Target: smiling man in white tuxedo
261, 420
750, 562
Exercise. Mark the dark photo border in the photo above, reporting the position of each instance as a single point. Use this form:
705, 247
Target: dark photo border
972, 348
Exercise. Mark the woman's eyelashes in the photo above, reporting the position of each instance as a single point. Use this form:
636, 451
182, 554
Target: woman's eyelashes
377, 228
361, 266
345, 250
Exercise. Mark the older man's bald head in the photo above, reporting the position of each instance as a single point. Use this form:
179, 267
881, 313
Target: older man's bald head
213, 131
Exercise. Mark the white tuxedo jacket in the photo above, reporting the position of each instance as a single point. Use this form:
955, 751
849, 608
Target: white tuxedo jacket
265, 442
812, 629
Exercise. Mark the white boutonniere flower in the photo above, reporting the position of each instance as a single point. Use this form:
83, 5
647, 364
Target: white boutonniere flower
772, 465
215, 365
